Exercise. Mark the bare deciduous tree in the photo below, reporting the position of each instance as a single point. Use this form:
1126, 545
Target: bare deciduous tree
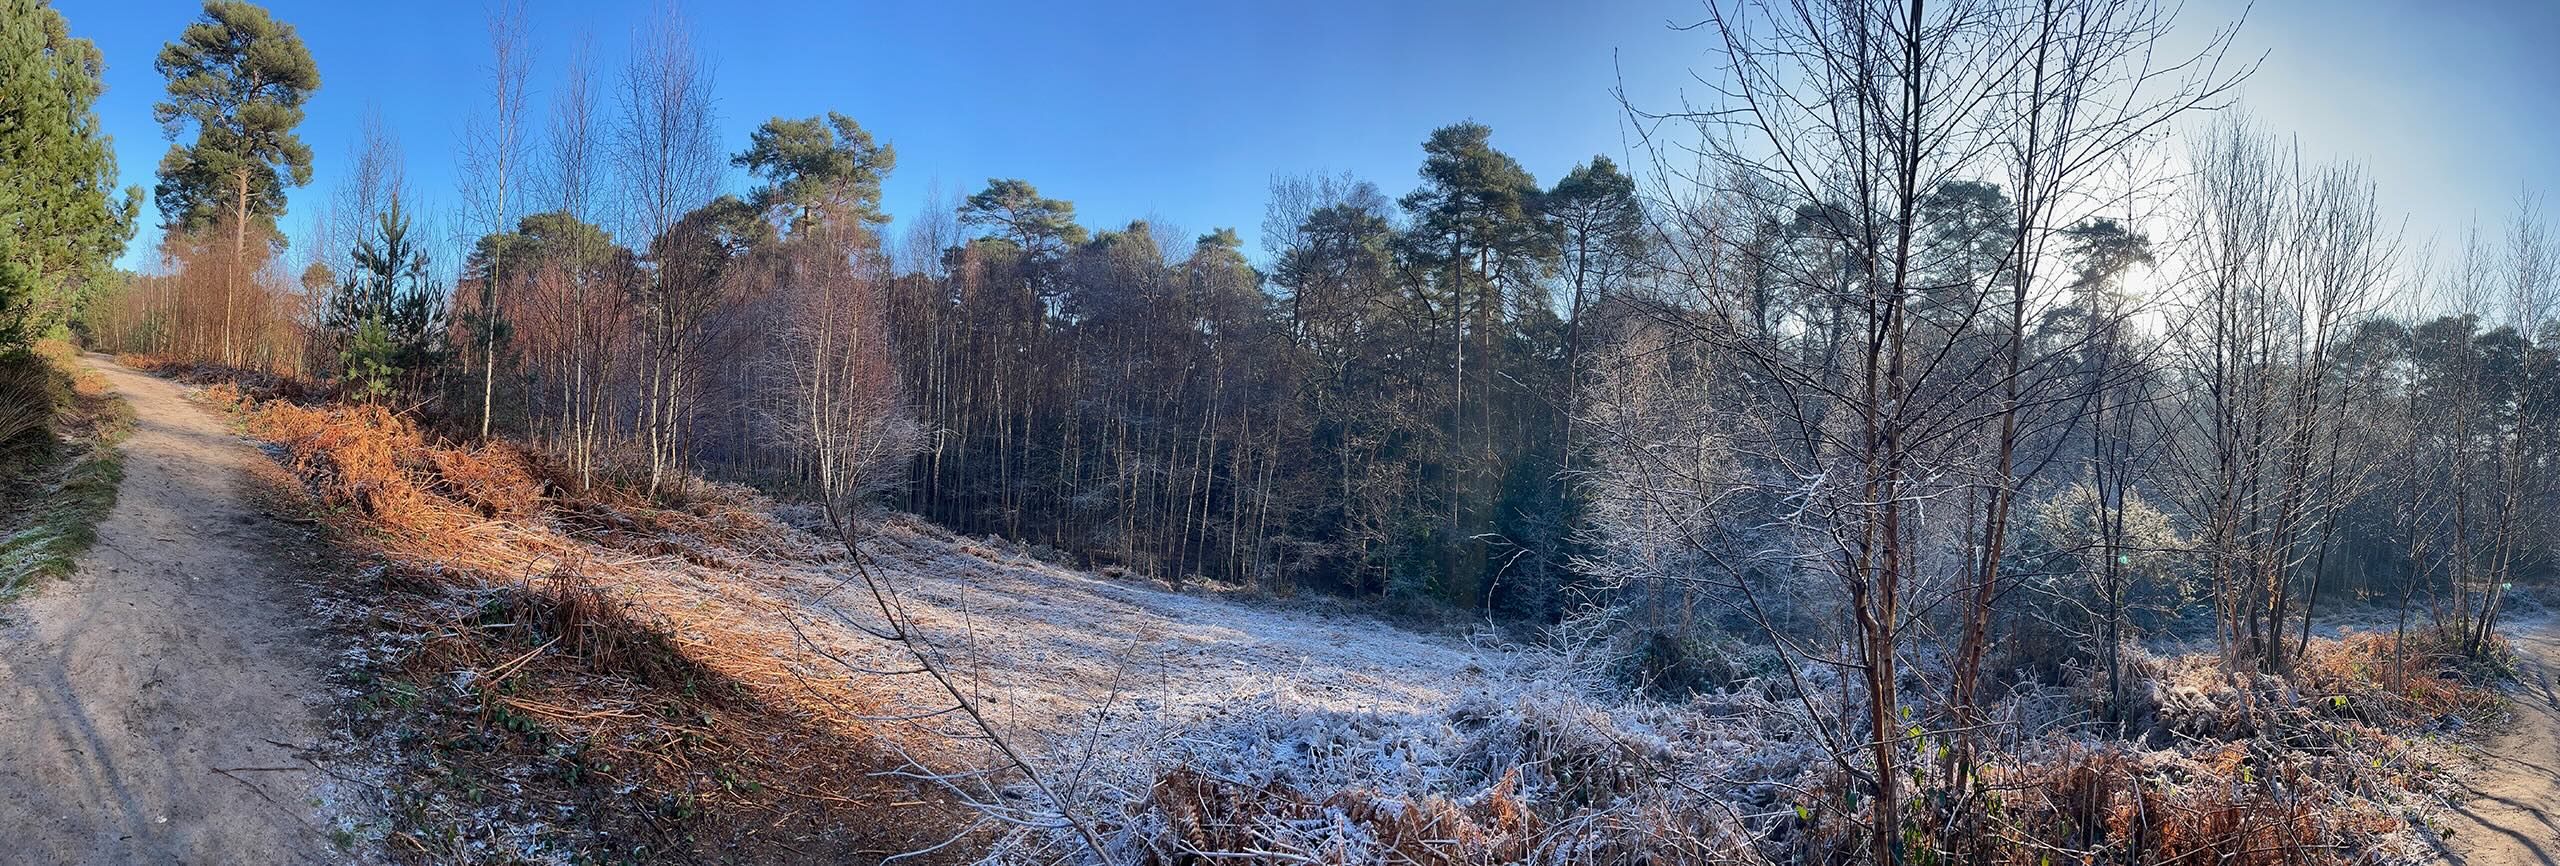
493, 152
666, 150
2281, 264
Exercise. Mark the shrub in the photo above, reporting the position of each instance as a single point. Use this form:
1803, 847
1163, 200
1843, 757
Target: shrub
27, 401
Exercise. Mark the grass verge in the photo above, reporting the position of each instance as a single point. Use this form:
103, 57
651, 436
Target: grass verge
58, 477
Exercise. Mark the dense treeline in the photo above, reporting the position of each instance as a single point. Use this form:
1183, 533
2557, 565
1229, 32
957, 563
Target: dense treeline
1382, 413
1919, 404
1381, 409
1426, 397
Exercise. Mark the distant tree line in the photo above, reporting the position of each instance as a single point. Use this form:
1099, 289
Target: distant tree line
1383, 409
1384, 412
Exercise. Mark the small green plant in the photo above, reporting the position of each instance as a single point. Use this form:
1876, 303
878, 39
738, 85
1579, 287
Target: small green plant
367, 362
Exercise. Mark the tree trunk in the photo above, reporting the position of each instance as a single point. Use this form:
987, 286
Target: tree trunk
239, 257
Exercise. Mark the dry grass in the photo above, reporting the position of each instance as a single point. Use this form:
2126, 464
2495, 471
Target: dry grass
2244, 768
1209, 819
59, 472
262, 384
2242, 803
704, 523
2328, 766
669, 718
26, 400
1214, 815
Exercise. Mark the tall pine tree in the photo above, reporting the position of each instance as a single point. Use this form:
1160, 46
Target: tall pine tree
60, 224
240, 77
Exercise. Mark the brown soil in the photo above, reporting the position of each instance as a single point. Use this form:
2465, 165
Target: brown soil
166, 702
2513, 816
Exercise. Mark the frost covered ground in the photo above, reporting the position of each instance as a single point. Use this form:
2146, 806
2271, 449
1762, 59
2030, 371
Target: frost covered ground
1179, 722
1056, 647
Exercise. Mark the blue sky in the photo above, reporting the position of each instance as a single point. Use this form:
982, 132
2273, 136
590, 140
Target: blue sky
2453, 106
1182, 111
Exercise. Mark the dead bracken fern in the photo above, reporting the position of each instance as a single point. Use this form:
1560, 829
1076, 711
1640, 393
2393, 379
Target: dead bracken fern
565, 628
1205, 814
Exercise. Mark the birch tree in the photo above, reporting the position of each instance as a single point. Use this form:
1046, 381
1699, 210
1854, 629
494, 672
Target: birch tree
493, 153
1905, 379
666, 153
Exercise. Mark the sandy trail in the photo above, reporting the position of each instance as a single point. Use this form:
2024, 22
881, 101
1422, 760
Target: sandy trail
158, 705
2513, 816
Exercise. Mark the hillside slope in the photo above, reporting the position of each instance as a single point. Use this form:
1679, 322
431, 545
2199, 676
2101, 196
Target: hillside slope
573, 619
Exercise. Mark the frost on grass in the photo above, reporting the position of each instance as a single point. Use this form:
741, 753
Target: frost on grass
1196, 727
1184, 726
1189, 724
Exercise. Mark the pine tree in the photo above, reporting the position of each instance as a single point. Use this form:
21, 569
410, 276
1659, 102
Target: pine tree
241, 78
819, 167
60, 225
389, 312
1476, 245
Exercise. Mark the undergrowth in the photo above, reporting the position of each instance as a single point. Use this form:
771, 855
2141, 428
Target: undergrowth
544, 693
59, 469
2341, 763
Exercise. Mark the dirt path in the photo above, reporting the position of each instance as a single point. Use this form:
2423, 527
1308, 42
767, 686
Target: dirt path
2513, 816
158, 705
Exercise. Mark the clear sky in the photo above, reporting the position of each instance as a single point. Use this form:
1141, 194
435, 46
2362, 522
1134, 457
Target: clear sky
1181, 110
2454, 105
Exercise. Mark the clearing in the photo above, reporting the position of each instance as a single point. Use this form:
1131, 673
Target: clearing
546, 634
